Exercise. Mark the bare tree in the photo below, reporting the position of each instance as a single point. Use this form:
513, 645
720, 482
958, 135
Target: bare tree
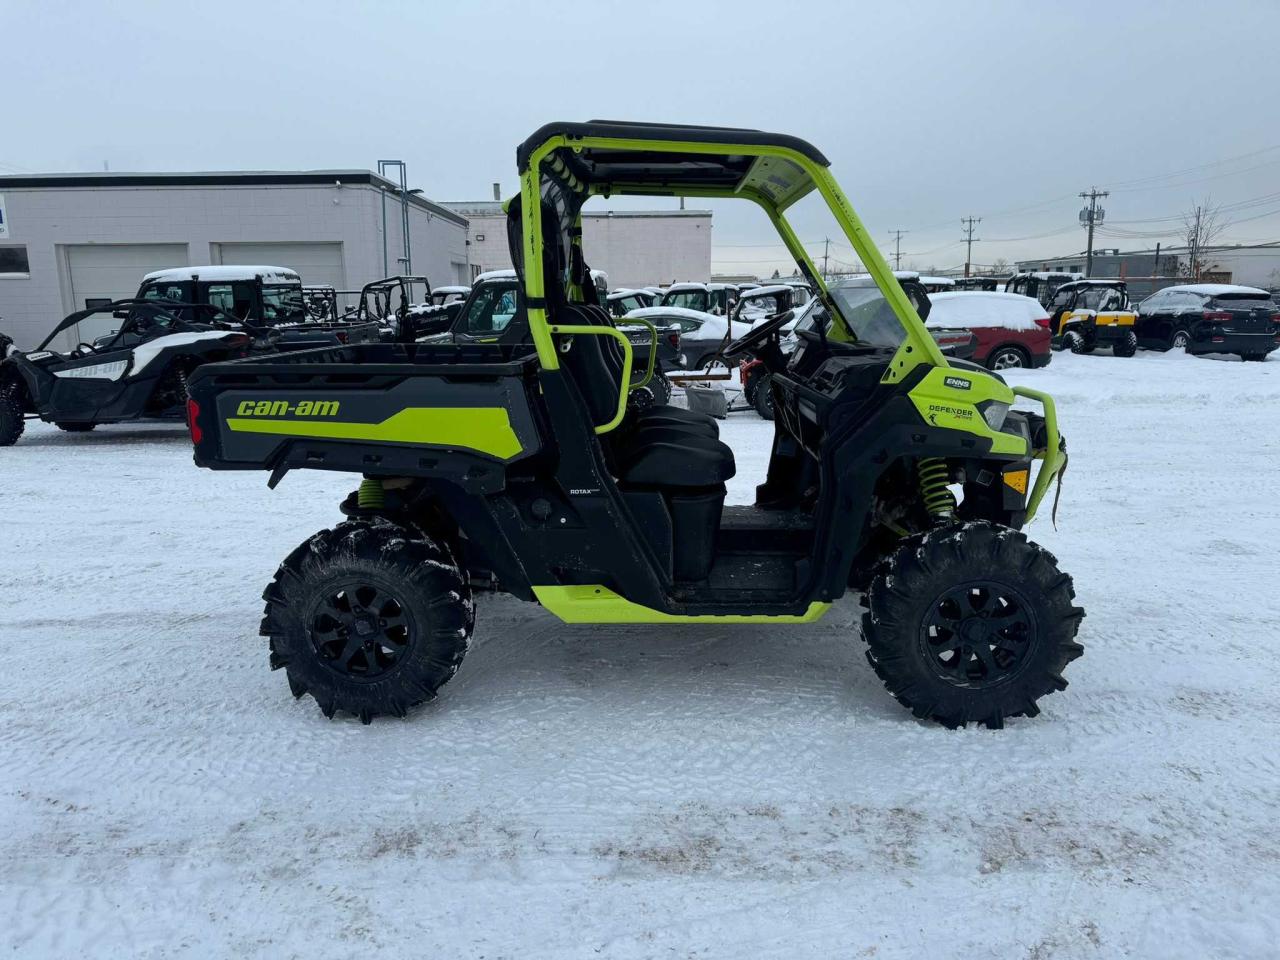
1202, 225
1000, 267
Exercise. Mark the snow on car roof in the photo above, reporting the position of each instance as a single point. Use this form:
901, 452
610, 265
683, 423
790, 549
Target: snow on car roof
970, 309
942, 281
624, 292
647, 313
769, 291
1051, 274
453, 289
496, 275
1215, 289
223, 272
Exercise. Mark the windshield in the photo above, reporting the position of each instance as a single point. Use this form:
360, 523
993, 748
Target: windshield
868, 314
283, 304
1099, 298
688, 299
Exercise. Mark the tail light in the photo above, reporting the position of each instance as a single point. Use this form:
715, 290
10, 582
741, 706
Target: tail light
342, 336
673, 338
193, 420
1042, 322
1218, 316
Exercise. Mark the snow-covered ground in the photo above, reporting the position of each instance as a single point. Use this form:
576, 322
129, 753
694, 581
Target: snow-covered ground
645, 792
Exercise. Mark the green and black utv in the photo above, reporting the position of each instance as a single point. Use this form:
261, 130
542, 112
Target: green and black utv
519, 468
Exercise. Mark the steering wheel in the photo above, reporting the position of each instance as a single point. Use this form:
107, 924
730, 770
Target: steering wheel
754, 339
83, 350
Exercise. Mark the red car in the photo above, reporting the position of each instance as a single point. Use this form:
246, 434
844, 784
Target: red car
1012, 330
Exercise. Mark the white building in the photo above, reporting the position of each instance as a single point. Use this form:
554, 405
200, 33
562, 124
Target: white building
634, 247
67, 240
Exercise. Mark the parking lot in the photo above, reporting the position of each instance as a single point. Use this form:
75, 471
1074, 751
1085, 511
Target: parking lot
642, 791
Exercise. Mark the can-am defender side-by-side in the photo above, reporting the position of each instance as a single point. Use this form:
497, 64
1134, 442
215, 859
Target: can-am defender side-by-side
138, 371
519, 468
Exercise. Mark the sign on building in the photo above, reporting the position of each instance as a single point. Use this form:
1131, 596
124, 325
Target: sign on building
4, 219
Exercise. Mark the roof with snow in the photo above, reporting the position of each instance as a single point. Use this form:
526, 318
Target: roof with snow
1217, 289
225, 272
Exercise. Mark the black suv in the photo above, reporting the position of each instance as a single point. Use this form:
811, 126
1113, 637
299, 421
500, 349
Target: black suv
1210, 318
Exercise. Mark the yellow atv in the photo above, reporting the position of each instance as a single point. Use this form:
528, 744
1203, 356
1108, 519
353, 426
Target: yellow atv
1087, 314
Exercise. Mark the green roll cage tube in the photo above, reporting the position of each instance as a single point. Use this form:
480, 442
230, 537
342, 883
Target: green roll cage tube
778, 177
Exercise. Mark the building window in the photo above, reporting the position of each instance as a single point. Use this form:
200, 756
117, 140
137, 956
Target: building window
13, 262
479, 238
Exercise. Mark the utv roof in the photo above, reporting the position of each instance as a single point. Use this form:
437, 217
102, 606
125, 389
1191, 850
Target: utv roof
224, 272
629, 166
1105, 282
496, 275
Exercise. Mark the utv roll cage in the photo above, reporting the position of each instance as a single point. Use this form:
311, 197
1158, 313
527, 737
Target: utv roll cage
563, 165
128, 309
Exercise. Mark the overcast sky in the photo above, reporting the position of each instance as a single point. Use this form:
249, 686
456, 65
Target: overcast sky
929, 112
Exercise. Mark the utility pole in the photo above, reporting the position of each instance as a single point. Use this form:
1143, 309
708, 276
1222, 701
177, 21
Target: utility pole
1091, 216
1195, 248
897, 248
826, 244
969, 223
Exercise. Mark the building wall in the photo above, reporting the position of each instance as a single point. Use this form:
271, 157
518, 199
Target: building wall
635, 248
1251, 266
46, 219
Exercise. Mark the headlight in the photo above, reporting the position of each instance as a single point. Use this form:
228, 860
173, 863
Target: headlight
994, 413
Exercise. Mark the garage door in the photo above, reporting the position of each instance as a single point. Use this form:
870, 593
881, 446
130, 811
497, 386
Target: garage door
314, 262
113, 272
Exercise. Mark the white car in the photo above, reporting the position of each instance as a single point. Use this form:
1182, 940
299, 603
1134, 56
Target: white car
702, 335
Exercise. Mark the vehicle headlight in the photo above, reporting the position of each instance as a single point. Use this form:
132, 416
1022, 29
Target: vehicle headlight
994, 412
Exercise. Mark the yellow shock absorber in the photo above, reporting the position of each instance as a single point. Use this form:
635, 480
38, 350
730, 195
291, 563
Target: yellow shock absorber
938, 500
371, 495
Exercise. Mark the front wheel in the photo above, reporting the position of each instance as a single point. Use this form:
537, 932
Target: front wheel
763, 399
1075, 341
369, 617
1126, 346
12, 420
971, 623
1008, 358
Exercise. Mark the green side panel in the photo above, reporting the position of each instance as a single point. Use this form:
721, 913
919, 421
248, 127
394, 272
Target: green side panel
949, 398
596, 604
483, 429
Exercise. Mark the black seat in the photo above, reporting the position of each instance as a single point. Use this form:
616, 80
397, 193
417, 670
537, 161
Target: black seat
677, 460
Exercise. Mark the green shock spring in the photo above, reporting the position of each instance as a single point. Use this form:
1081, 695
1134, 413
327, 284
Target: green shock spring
938, 500
371, 495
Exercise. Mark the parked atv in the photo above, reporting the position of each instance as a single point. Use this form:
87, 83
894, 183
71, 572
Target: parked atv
1087, 314
518, 467
139, 371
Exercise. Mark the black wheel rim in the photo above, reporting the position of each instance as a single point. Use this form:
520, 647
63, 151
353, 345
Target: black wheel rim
978, 634
360, 631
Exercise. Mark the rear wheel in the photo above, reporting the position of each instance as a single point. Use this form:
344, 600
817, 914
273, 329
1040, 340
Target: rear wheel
12, 421
971, 624
1008, 358
763, 400
1253, 357
369, 617
1180, 340
72, 427
1126, 346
